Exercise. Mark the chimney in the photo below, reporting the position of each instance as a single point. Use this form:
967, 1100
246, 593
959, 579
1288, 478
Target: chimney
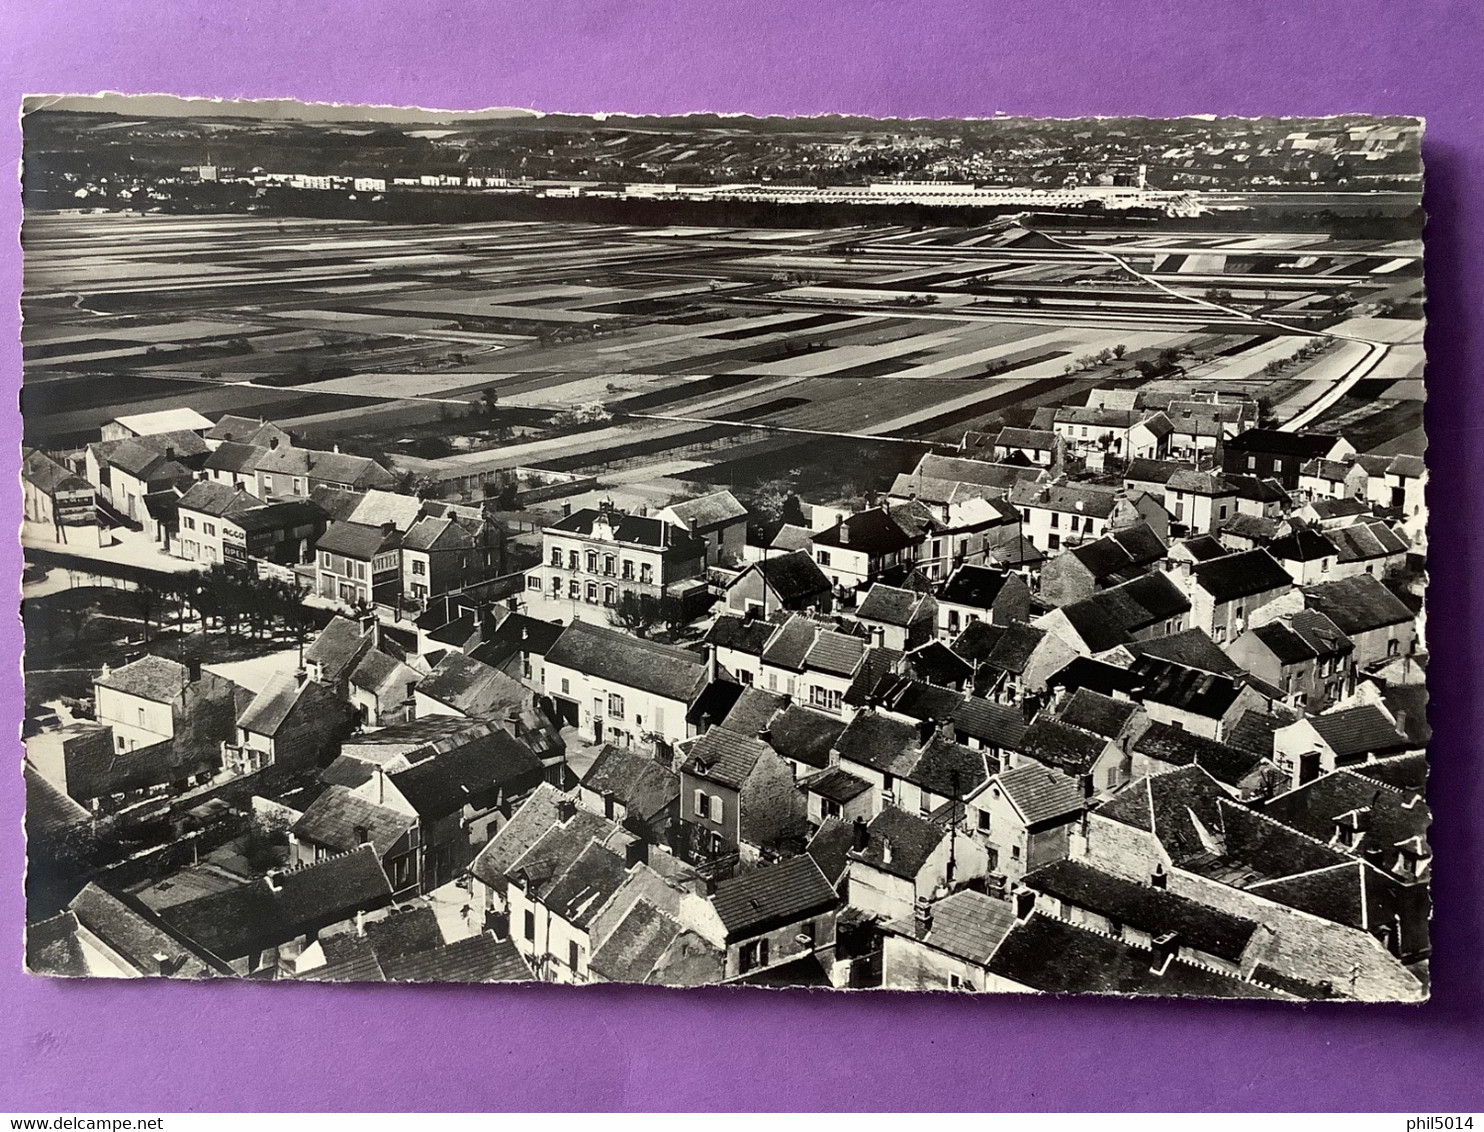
1159, 878
193, 669
922, 915
566, 810
362, 834
766, 735
711, 664
844, 533
860, 835
411, 688
272, 443
169, 451
886, 850
301, 675
1025, 903
636, 852
335, 448
926, 729
388, 529
361, 922
163, 963
380, 787
271, 880
1164, 946
566, 510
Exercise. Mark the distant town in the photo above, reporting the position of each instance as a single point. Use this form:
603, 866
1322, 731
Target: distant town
981, 557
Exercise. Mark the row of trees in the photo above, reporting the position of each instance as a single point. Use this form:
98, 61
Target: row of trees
1310, 349
236, 602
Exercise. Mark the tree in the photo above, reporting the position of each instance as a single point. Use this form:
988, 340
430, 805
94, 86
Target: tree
637, 613
1119, 350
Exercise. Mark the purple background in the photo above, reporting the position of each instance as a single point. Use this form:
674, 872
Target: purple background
150, 1046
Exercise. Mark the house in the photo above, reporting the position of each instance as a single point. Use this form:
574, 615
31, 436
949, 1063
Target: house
718, 519
382, 688
287, 470
154, 424
1325, 479
917, 766
359, 565
1012, 663
127, 471
1406, 490
101, 935
1095, 433
59, 499
737, 796
977, 723
1367, 546
1150, 476
294, 722
804, 737
789, 581
1108, 561
818, 665
1098, 762
1024, 818
1277, 455
1164, 747
898, 858
650, 945
1140, 914
632, 789
836, 793
1199, 502
897, 618
781, 916
1378, 622
1316, 902
1305, 655
1318, 744
620, 689
978, 593
1205, 703
231, 429
1143, 609
340, 821
1306, 554
861, 548
739, 643
946, 944
1057, 515
234, 465
593, 556
443, 555
1225, 592
265, 924
1025, 445
517, 646
153, 699
207, 534
462, 686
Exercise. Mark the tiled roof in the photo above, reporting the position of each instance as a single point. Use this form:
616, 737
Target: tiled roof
636, 530
1253, 731
830, 848
1080, 499
805, 736
835, 784
1383, 815
355, 540
333, 819
164, 420
1095, 712
1189, 689
1178, 807
1152, 911
632, 949
781, 894
1241, 575
473, 767
1361, 542
264, 913
472, 688
378, 507
890, 605
244, 430
749, 635
641, 785
1357, 604
899, 843
1056, 957
607, 654
579, 892
150, 678
948, 769
835, 653
135, 934
1151, 471
936, 663
477, 959
517, 633
384, 676
1041, 794
429, 534
967, 925
754, 710
725, 757
877, 666
874, 533
994, 725
708, 511
233, 457
878, 741
1055, 744
1193, 648
1285, 645
1358, 731
974, 586
1179, 747
1303, 544
526, 826
791, 643
337, 647
271, 706
1305, 445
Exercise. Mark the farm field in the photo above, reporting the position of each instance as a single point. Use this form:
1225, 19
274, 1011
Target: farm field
450, 347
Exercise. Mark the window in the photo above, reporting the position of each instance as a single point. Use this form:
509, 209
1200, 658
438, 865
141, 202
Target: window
592, 592
530, 926
556, 556
419, 567
141, 717
574, 589
1015, 852
190, 523
566, 686
826, 698
822, 557
572, 560
953, 621
829, 808
646, 573
610, 565
955, 983
754, 955
1252, 463
534, 583
208, 528
615, 706
628, 570
983, 821
1056, 520
1223, 512
574, 955
610, 595
1053, 542
592, 561
1324, 565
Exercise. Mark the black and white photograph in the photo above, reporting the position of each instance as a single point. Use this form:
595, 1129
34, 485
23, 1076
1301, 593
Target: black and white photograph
976, 555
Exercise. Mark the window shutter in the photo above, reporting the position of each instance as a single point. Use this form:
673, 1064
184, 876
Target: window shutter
701, 803
716, 807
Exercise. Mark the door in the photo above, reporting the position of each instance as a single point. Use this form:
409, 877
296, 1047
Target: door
597, 719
